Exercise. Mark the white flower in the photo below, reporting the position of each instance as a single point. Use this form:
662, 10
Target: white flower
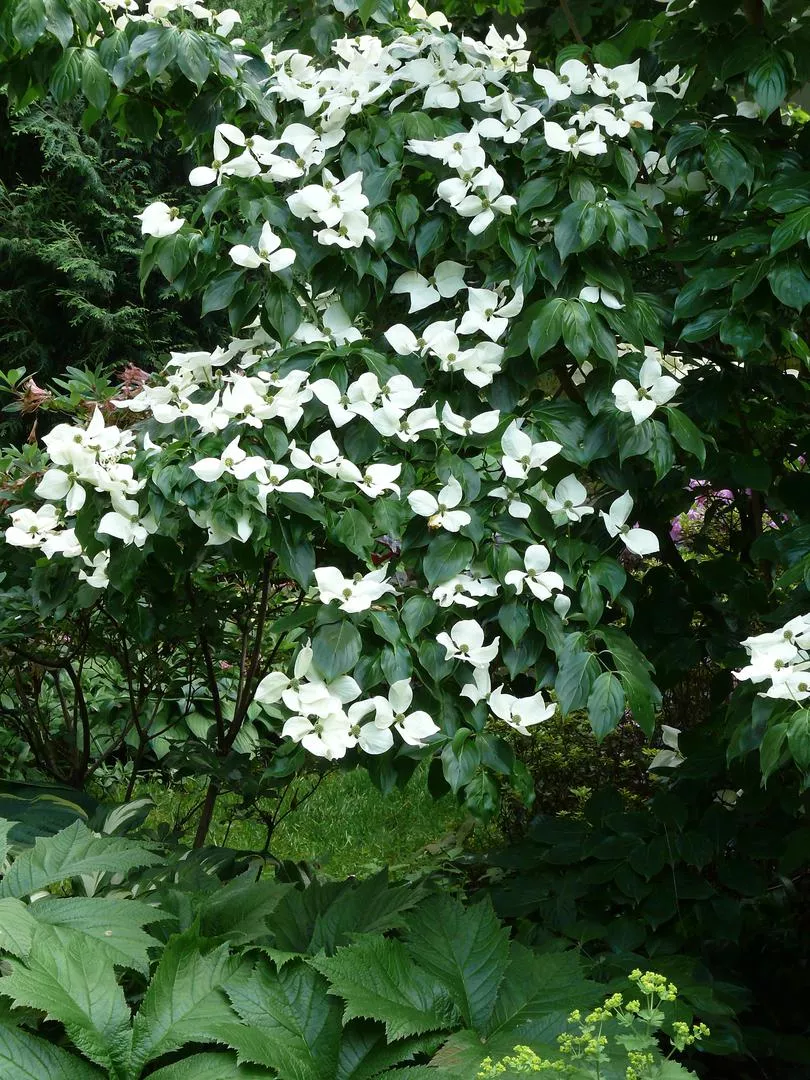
513, 124
325, 456
462, 589
639, 541
158, 219
233, 460
357, 401
435, 18
593, 294
488, 313
269, 252
654, 389
540, 580
791, 685
621, 82
97, 578
515, 507
574, 78
462, 150
521, 713
482, 203
568, 501
327, 736
570, 141
272, 478
354, 594
330, 202
127, 525
479, 425
521, 455
30, 528
768, 661
466, 642
447, 279
413, 728
440, 509
350, 232
618, 121
379, 478
57, 485
480, 688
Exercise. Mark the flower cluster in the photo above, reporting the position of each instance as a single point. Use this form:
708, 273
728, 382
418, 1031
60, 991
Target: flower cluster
781, 657
321, 721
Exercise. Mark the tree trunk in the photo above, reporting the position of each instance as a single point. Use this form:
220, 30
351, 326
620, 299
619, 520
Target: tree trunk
206, 814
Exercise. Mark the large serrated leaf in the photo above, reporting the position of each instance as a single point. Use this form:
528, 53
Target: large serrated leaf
69, 854
213, 1066
537, 986
466, 949
365, 1052
17, 927
74, 985
184, 999
239, 910
116, 925
378, 980
297, 1021
25, 1057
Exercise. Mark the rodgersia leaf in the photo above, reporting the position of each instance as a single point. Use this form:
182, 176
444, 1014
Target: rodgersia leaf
184, 999
75, 985
72, 852
214, 1066
379, 981
293, 1025
25, 1057
466, 949
114, 925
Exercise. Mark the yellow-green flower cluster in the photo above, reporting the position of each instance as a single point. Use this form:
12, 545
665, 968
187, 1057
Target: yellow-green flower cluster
523, 1060
650, 982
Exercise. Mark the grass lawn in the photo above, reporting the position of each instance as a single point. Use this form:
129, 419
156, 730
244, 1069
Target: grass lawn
346, 827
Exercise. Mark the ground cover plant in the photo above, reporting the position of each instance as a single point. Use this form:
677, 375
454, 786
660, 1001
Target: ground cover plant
496, 414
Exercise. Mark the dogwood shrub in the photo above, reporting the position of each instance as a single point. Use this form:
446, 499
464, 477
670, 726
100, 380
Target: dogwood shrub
452, 416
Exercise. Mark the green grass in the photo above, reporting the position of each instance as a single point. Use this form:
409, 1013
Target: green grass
346, 827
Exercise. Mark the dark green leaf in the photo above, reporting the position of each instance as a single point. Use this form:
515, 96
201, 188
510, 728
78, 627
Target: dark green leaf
336, 648
546, 326
769, 81
575, 679
447, 556
686, 434
192, 57
790, 285
28, 22
794, 228
605, 704
726, 163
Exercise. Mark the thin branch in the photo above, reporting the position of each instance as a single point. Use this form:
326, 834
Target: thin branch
572, 23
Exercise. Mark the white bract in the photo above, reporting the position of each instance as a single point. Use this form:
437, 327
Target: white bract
440, 509
537, 577
268, 252
466, 642
158, 219
521, 455
639, 541
568, 503
654, 389
520, 713
357, 593
447, 279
